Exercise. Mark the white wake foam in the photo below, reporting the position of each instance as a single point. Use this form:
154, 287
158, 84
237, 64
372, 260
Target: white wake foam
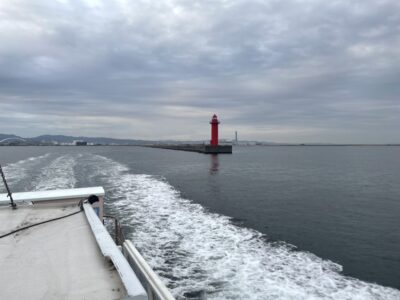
58, 174
19, 171
203, 255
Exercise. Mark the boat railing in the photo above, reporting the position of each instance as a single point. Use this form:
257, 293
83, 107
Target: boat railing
117, 233
155, 288
109, 249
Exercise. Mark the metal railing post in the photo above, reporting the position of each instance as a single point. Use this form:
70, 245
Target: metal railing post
13, 205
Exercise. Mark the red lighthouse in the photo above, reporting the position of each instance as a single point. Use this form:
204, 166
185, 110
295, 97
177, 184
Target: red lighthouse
214, 131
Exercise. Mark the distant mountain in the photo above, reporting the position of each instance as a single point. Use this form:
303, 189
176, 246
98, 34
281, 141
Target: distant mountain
8, 136
44, 139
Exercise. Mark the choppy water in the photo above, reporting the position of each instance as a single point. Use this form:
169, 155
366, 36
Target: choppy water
224, 227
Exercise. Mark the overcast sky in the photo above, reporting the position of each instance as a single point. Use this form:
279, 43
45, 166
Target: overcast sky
284, 71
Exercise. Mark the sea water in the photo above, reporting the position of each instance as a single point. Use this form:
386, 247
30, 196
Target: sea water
263, 223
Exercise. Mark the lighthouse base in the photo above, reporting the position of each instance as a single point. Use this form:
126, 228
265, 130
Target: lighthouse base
210, 149
200, 148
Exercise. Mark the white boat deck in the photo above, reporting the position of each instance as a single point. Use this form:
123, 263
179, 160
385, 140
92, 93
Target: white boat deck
56, 260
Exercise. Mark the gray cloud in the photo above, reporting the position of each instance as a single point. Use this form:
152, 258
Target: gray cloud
273, 70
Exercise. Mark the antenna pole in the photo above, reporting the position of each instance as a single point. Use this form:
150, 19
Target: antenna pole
13, 205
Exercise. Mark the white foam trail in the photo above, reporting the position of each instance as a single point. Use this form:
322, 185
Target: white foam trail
203, 255
58, 174
18, 171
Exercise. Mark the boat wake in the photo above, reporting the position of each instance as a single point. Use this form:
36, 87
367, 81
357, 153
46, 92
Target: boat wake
58, 174
20, 171
204, 255
44, 172
199, 254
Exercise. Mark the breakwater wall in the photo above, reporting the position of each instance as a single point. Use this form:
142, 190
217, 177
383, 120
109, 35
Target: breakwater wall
200, 148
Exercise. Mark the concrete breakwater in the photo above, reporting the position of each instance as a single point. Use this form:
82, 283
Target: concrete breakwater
200, 148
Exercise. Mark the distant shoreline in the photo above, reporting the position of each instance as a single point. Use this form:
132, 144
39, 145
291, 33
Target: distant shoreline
243, 145
335, 145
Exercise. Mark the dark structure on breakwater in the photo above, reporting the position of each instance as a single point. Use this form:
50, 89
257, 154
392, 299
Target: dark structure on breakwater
212, 148
201, 148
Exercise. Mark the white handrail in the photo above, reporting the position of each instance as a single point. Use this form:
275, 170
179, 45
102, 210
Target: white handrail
155, 287
109, 249
63, 194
